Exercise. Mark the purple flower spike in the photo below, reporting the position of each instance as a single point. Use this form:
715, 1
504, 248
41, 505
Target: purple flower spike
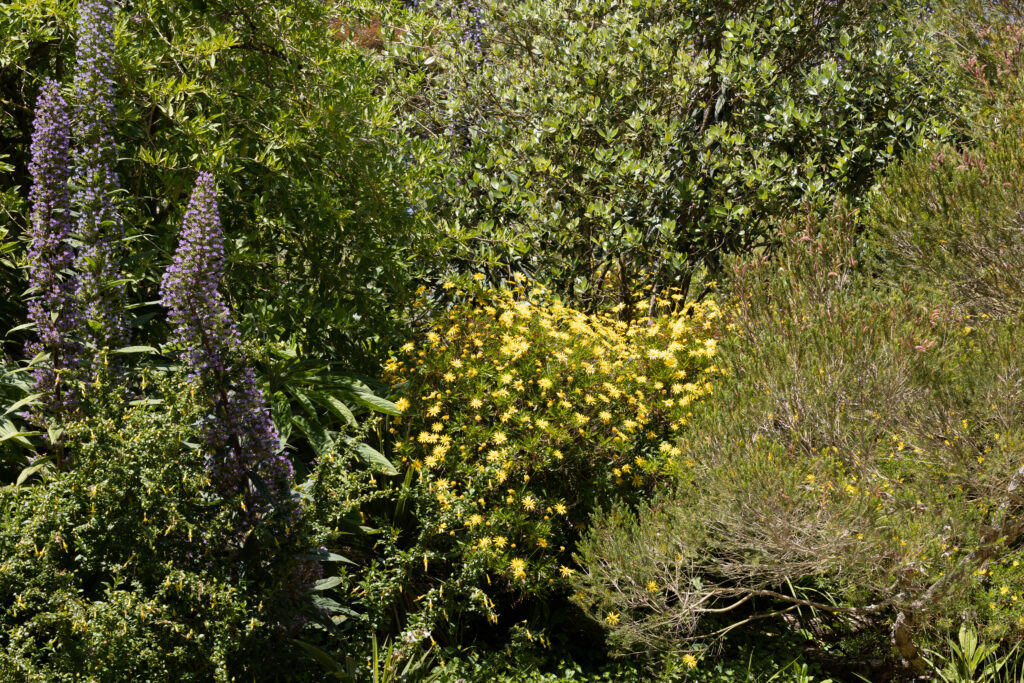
191, 286
241, 437
53, 307
99, 225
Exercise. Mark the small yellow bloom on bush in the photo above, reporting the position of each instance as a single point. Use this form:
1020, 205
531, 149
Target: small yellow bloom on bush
571, 409
518, 567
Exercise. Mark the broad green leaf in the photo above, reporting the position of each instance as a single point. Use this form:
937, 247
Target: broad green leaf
9, 432
32, 469
322, 658
304, 400
318, 437
335, 405
28, 400
330, 605
325, 584
129, 350
374, 458
326, 556
377, 404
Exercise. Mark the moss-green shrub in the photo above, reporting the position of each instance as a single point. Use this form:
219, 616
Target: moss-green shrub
863, 456
953, 219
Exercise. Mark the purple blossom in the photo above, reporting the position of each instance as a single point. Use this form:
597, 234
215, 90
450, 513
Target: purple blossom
191, 287
473, 29
100, 228
52, 307
240, 436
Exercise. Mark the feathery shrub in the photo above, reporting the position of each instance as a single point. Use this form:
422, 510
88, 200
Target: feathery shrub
862, 459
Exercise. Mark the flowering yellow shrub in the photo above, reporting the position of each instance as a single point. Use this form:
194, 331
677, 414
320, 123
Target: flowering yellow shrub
521, 416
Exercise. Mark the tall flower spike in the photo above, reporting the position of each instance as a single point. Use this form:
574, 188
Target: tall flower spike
241, 437
99, 225
52, 307
191, 287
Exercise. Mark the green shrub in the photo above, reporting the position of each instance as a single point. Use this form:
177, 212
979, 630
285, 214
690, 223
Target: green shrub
862, 461
125, 566
987, 47
600, 146
957, 221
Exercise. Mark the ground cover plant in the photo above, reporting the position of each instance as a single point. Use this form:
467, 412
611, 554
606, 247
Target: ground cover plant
128, 565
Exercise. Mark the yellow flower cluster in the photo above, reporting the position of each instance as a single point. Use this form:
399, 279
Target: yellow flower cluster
521, 415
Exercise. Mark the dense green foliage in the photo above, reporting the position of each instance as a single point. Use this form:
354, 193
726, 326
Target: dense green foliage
320, 242
604, 146
698, 323
125, 567
264, 95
